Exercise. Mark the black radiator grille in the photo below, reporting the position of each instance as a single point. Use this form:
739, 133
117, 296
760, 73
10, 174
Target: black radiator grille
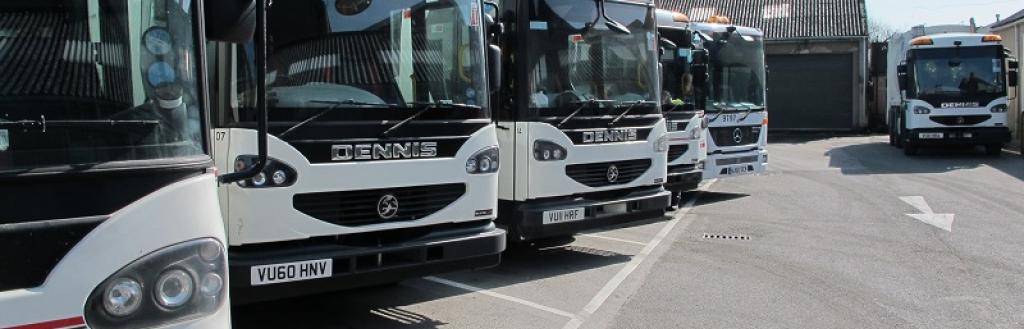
676, 151
597, 174
961, 120
735, 136
358, 208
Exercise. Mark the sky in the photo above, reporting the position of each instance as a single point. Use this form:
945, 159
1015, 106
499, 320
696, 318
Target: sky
904, 14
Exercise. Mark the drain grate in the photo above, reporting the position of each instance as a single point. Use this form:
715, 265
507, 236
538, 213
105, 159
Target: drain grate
733, 237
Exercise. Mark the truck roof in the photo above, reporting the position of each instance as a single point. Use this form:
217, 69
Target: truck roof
947, 40
666, 19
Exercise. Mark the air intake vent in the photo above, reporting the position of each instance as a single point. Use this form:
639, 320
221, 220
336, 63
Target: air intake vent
961, 120
367, 207
735, 136
676, 151
608, 173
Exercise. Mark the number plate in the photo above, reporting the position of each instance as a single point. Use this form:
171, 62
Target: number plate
564, 216
739, 170
931, 135
290, 272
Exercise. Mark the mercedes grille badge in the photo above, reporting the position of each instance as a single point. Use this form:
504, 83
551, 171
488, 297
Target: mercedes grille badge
737, 136
961, 120
613, 174
387, 206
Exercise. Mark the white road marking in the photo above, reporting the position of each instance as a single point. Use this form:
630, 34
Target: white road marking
487, 292
612, 285
942, 221
613, 239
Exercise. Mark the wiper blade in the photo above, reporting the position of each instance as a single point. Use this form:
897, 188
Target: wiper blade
632, 106
426, 107
335, 106
750, 109
42, 124
581, 106
721, 111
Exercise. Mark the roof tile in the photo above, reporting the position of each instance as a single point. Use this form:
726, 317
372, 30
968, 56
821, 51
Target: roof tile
783, 19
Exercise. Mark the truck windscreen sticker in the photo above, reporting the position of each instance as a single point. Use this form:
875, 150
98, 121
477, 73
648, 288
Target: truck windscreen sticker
538, 25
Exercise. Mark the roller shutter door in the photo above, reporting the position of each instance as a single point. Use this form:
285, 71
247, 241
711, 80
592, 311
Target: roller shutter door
810, 92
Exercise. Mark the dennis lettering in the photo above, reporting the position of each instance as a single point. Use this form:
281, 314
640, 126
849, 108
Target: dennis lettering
610, 136
386, 151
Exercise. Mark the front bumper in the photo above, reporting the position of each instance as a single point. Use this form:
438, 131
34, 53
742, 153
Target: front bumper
683, 178
731, 165
436, 250
601, 209
960, 136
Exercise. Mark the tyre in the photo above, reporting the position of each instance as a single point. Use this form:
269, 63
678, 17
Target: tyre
994, 149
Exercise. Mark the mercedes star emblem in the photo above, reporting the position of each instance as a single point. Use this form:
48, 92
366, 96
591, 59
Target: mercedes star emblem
737, 135
613, 174
961, 120
387, 206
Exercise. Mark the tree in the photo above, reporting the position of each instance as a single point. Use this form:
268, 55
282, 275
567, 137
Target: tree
879, 31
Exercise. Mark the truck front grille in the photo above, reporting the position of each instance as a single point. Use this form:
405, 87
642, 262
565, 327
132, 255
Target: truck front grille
960, 120
735, 136
358, 208
676, 151
598, 174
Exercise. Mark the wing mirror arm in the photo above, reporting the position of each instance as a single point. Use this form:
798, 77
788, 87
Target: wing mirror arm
260, 42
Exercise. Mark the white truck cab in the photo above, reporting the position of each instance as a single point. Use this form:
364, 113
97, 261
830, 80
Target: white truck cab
949, 89
580, 126
730, 81
108, 188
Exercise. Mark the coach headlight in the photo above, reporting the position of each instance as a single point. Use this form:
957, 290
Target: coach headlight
1001, 108
922, 110
160, 289
484, 161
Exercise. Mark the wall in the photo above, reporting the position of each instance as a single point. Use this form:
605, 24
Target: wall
855, 46
1013, 39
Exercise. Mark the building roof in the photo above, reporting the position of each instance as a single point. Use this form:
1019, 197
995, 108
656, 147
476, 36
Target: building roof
783, 19
1009, 20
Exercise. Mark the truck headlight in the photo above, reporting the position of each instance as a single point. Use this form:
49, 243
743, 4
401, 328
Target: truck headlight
662, 144
484, 161
922, 110
548, 151
1001, 108
274, 174
695, 135
159, 289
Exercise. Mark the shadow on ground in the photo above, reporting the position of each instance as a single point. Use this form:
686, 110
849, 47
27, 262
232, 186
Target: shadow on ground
879, 158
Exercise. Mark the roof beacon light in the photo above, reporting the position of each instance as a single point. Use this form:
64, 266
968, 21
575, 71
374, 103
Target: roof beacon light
680, 18
922, 41
715, 19
991, 38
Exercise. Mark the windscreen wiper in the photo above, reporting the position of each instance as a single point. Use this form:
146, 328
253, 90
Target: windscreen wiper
632, 106
750, 109
582, 105
334, 106
719, 113
42, 124
426, 107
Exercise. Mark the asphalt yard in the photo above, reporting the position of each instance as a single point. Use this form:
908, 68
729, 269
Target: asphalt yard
841, 233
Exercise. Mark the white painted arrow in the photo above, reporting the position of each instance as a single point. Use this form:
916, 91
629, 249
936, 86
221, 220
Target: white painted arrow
942, 221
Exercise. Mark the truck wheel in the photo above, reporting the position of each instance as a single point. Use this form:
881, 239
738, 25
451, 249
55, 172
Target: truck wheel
910, 149
892, 138
994, 149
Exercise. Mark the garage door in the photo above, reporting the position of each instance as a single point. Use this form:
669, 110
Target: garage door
810, 91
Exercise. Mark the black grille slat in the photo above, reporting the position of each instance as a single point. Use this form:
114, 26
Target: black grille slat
961, 120
596, 174
727, 136
356, 208
676, 151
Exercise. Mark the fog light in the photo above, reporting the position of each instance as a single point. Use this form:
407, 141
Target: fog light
174, 288
123, 297
210, 252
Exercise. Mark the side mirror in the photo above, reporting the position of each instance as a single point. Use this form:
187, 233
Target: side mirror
1013, 78
232, 21
494, 66
1013, 64
901, 76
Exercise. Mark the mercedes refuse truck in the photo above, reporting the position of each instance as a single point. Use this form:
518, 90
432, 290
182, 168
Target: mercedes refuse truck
383, 157
949, 89
730, 81
579, 117
684, 116
110, 215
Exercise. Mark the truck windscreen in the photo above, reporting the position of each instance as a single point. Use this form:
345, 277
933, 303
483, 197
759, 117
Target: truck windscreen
573, 57
373, 60
97, 82
737, 74
968, 72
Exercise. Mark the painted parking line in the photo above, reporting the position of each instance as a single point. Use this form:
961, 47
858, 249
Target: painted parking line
595, 303
602, 237
490, 293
